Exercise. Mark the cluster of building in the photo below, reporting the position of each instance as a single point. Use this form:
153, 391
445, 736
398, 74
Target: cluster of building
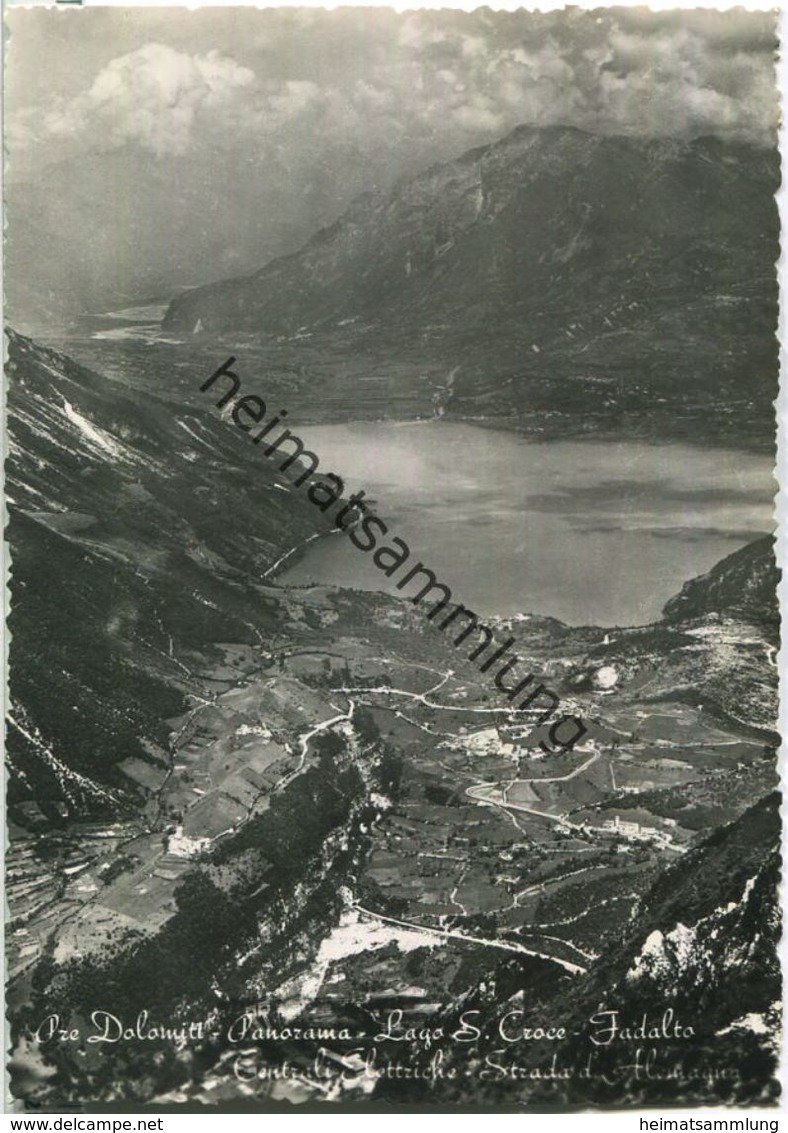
635, 832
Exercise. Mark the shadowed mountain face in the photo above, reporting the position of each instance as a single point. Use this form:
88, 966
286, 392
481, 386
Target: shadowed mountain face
138, 533
557, 270
201, 761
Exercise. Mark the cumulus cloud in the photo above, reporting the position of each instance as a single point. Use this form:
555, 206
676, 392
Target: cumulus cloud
153, 96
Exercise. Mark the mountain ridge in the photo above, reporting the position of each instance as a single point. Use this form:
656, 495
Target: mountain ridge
562, 280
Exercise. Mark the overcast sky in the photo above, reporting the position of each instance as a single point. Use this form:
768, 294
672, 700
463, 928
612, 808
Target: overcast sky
151, 149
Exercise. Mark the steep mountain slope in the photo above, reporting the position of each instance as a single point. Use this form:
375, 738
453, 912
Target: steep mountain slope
717, 650
137, 534
553, 270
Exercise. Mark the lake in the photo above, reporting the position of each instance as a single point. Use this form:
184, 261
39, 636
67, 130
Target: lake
591, 532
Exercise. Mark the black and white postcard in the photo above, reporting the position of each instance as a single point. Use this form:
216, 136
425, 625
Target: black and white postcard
393, 623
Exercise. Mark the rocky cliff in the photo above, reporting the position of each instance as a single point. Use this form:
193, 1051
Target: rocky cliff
556, 270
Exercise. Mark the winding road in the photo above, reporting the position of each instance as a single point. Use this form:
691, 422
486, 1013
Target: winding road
453, 934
